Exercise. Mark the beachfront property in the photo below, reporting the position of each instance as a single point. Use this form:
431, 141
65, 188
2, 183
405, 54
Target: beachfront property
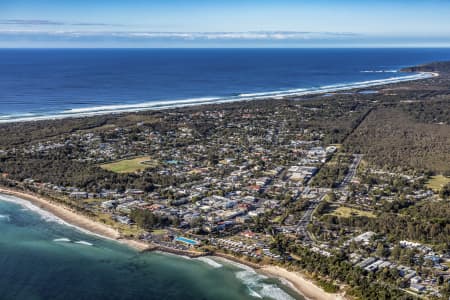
261, 194
187, 241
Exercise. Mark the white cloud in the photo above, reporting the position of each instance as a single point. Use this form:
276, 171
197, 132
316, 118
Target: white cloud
249, 35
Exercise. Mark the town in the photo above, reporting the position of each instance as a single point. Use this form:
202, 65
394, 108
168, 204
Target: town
258, 181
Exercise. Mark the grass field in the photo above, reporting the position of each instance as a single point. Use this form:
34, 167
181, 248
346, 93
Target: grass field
437, 182
346, 212
159, 232
127, 165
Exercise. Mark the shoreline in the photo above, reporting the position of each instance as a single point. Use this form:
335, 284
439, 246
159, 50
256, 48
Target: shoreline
74, 219
102, 110
297, 281
302, 285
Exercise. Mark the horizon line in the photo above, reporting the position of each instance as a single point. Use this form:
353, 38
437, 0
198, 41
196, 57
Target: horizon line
233, 47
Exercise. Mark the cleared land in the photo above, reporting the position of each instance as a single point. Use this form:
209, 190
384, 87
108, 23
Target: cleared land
128, 165
436, 183
159, 232
347, 212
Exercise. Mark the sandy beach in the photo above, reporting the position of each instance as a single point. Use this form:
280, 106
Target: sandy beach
75, 219
303, 286
164, 105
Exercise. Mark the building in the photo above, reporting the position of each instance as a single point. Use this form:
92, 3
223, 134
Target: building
417, 287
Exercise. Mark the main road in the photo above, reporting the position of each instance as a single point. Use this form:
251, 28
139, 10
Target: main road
302, 225
351, 170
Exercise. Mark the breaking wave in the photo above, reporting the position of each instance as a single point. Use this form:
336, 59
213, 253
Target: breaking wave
210, 262
167, 104
256, 283
45, 215
84, 243
254, 294
62, 240
259, 288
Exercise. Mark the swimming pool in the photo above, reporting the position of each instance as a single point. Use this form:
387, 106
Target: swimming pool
186, 240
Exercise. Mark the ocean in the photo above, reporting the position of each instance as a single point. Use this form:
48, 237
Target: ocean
54, 83
41, 257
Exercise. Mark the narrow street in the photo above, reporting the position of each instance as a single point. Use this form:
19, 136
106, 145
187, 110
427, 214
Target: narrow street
302, 225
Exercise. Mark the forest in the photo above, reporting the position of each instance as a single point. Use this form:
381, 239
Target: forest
402, 138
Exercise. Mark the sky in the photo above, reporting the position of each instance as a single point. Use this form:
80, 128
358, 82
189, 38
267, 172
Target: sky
227, 23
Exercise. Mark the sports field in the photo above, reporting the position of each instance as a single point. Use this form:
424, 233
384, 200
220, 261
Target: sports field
128, 165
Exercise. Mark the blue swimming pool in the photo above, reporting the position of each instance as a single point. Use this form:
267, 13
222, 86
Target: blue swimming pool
186, 240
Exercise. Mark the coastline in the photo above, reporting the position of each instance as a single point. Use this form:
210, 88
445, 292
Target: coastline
297, 281
300, 283
165, 105
50, 202
74, 219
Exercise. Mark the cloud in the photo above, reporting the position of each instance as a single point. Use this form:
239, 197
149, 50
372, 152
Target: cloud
41, 27
250, 35
26, 22
190, 36
29, 22
93, 24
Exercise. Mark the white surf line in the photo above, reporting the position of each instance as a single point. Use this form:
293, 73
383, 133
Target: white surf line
62, 240
254, 281
46, 215
209, 261
163, 105
84, 243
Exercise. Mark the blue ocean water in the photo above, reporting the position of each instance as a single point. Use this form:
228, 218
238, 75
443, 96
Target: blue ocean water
40, 258
67, 82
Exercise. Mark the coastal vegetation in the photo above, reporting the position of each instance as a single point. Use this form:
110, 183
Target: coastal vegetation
263, 181
393, 140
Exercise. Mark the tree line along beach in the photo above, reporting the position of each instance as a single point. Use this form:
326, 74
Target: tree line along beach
263, 182
302, 285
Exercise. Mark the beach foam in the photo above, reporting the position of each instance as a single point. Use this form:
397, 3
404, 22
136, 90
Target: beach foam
84, 243
233, 263
45, 215
62, 240
210, 262
256, 283
254, 294
138, 105
272, 291
168, 104
173, 254
258, 288
274, 93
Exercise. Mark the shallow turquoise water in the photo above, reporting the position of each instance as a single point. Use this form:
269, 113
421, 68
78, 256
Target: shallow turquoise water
41, 259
